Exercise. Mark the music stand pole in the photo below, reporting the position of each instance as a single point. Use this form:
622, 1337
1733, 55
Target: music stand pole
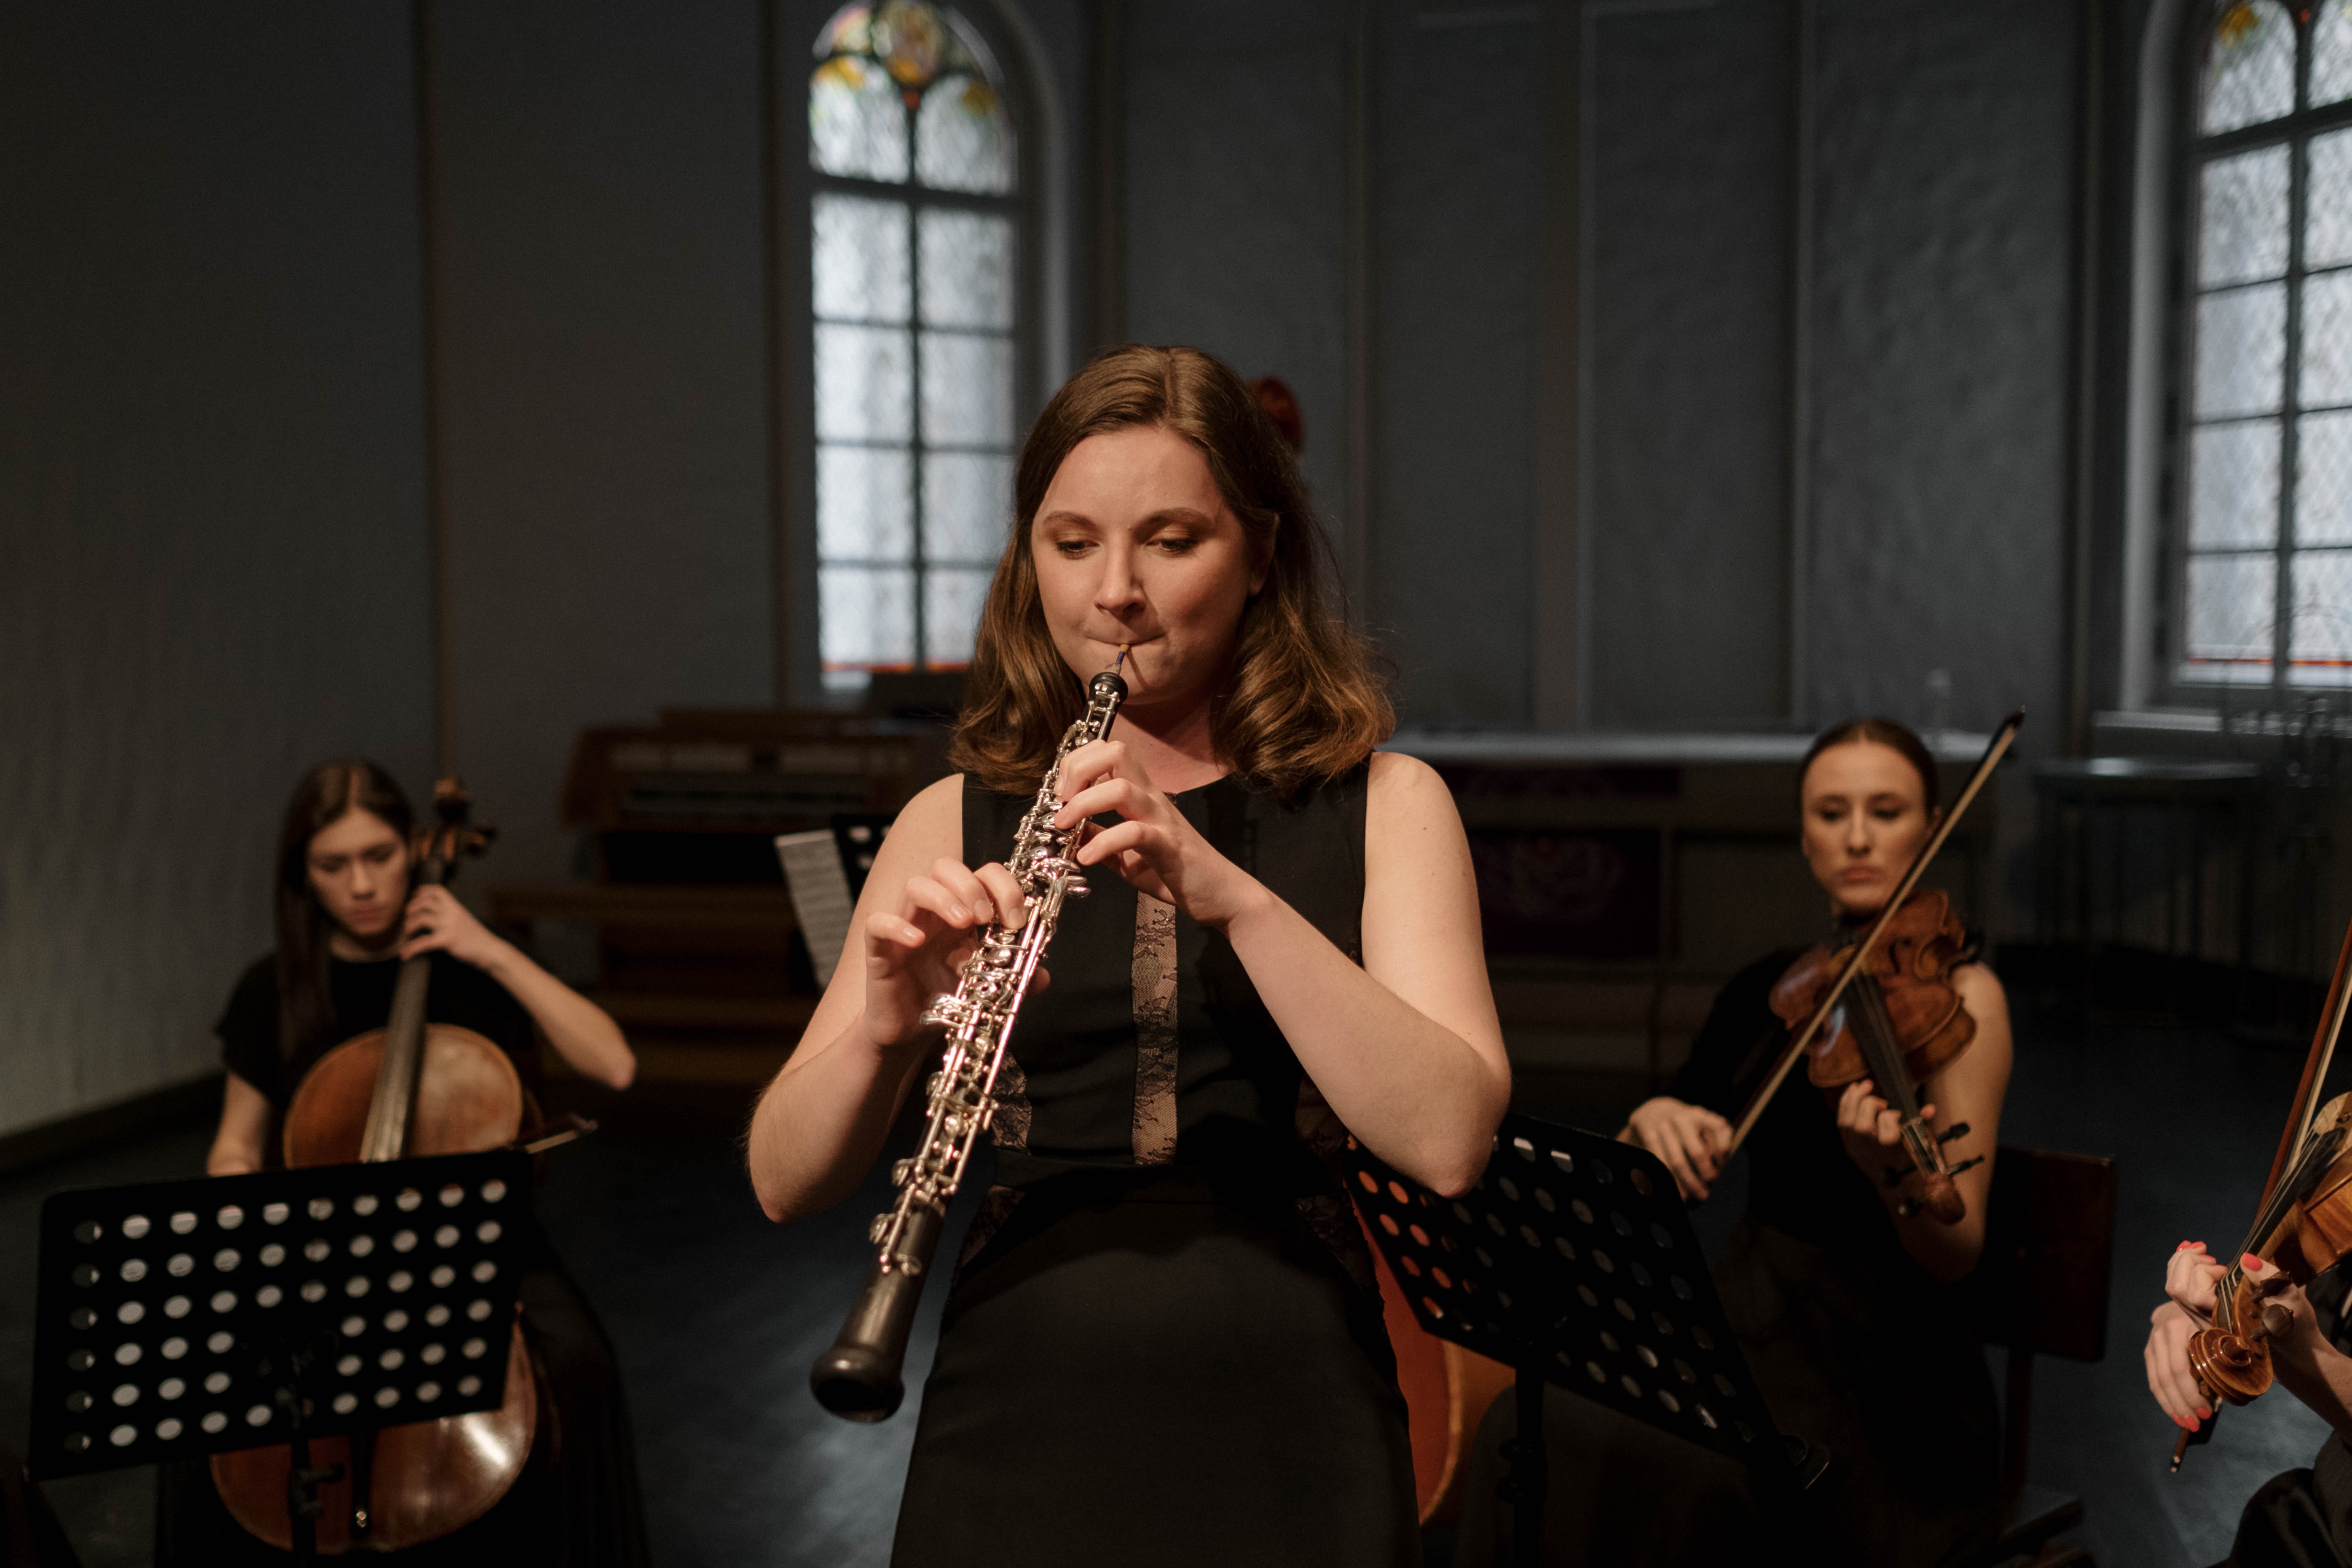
1527, 1481
303, 1507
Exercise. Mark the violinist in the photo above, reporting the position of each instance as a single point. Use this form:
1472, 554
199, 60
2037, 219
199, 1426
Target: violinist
2302, 1519
1842, 1292
345, 915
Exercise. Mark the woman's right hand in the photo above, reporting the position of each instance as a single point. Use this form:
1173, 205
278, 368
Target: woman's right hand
913, 954
1691, 1139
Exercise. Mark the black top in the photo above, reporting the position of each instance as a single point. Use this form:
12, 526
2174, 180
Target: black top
1801, 1179
1099, 1055
460, 994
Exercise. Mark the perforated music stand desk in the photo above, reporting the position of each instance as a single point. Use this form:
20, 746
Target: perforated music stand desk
179, 1318
1573, 1261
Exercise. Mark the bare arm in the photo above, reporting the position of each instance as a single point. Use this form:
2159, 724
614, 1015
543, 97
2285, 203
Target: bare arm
239, 1146
582, 1033
822, 1121
1406, 1050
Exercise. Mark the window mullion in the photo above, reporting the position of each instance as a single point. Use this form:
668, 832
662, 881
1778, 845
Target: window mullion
2291, 376
922, 659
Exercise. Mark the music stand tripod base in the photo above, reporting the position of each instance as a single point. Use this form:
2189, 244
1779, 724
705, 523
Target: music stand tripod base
1573, 1261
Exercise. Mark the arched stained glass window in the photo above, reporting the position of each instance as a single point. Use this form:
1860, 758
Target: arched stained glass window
913, 228
2265, 470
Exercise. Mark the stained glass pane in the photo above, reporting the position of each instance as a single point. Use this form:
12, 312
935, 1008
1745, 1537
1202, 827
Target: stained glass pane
951, 605
967, 390
2229, 616
967, 268
2322, 480
857, 122
859, 259
2243, 218
2249, 65
2322, 641
2327, 206
865, 616
2327, 340
962, 140
864, 503
2241, 350
967, 506
864, 383
2331, 53
2235, 486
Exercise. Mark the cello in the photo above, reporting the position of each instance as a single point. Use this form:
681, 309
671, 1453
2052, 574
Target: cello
409, 1088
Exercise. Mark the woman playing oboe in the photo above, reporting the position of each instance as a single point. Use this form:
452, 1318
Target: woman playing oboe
1163, 1344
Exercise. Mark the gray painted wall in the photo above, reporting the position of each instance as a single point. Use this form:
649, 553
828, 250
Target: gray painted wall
1456, 164
212, 568
1936, 525
1689, 228
604, 326
1941, 302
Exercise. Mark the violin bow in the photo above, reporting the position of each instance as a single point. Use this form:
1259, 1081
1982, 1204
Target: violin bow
1997, 748
2314, 1068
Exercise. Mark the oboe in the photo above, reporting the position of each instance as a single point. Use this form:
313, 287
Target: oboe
859, 1378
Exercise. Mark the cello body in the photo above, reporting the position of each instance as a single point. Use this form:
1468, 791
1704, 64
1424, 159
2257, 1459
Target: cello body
469, 1098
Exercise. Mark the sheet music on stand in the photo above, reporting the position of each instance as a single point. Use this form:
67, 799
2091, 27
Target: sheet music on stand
1573, 1261
825, 870
171, 1314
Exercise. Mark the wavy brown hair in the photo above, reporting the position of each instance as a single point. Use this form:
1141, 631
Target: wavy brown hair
1302, 700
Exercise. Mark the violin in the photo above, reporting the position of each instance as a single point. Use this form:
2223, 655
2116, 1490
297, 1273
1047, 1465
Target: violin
1931, 943
409, 1088
2303, 1226
1898, 1022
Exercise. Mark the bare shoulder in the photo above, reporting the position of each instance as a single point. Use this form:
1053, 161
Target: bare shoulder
928, 827
1980, 992
1411, 831
1400, 790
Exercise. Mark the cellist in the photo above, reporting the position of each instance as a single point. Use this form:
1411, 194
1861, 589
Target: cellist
1846, 1307
344, 917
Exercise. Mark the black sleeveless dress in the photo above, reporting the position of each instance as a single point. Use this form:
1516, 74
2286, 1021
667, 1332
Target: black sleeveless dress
1164, 1344
1853, 1343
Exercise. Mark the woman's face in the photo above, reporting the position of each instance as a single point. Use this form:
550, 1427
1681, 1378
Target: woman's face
1134, 544
1865, 817
359, 868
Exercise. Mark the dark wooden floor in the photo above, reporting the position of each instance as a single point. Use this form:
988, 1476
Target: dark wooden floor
717, 1314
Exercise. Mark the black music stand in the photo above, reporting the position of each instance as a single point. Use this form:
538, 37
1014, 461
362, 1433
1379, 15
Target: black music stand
1573, 1261
179, 1318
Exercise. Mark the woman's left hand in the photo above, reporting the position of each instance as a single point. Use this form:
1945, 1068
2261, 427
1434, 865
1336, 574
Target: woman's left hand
438, 922
1873, 1130
1154, 849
